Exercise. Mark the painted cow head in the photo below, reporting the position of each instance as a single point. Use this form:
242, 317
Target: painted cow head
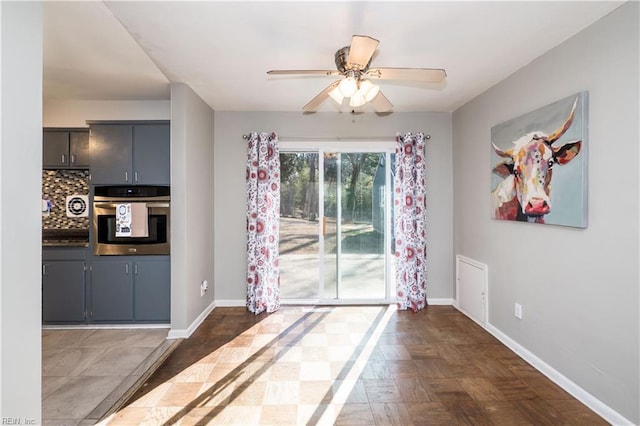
530, 163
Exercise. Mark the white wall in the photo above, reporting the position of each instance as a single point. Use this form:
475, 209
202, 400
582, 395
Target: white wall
20, 186
192, 215
230, 197
578, 287
75, 113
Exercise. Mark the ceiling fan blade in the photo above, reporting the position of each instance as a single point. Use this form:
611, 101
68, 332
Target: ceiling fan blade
381, 104
321, 97
303, 72
361, 51
427, 75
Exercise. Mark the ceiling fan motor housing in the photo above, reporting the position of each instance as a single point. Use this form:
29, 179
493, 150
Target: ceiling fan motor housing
342, 59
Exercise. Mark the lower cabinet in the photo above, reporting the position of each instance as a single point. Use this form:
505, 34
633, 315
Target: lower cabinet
111, 291
130, 291
79, 289
151, 291
63, 294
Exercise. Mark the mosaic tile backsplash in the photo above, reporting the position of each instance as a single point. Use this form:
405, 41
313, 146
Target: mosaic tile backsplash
56, 186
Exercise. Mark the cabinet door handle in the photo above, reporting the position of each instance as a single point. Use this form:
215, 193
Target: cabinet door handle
126, 176
73, 159
44, 269
135, 176
126, 268
135, 268
62, 157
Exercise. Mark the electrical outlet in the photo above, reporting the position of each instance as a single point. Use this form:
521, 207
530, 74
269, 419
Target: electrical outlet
518, 311
203, 287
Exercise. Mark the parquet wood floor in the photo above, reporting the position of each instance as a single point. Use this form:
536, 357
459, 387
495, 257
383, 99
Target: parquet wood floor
348, 365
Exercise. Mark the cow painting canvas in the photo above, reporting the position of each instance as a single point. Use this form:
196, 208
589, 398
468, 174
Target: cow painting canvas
539, 165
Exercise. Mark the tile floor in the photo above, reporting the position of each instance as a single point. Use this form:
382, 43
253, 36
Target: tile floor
347, 365
86, 371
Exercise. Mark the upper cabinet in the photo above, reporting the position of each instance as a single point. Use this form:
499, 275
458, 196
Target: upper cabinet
151, 154
65, 148
130, 153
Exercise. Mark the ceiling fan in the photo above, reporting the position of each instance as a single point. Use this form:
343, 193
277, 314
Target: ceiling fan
352, 64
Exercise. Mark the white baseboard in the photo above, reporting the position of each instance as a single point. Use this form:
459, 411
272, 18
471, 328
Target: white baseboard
185, 333
599, 407
231, 303
104, 326
440, 301
241, 302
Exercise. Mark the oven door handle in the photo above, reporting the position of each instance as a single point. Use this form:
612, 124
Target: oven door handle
114, 205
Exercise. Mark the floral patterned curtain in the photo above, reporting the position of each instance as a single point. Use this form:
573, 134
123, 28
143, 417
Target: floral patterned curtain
409, 222
263, 214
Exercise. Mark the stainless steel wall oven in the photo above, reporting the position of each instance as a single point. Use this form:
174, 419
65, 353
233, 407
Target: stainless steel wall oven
156, 238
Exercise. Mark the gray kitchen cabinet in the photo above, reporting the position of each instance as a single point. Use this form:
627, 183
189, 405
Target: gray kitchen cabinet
130, 153
152, 291
63, 291
111, 291
55, 149
115, 290
79, 149
124, 290
111, 153
151, 154
65, 148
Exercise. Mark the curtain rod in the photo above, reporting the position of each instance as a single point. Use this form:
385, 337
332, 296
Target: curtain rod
334, 138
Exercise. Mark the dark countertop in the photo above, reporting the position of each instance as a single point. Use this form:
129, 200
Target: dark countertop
65, 237
64, 243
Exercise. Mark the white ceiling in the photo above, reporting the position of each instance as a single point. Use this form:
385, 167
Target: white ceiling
131, 50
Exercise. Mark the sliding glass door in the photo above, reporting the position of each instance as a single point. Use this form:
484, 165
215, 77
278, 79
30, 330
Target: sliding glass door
299, 226
334, 226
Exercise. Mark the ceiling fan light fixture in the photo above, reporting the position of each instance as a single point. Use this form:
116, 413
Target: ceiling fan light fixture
368, 90
348, 86
357, 99
336, 95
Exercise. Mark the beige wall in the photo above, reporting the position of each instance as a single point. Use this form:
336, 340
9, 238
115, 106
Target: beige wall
74, 113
